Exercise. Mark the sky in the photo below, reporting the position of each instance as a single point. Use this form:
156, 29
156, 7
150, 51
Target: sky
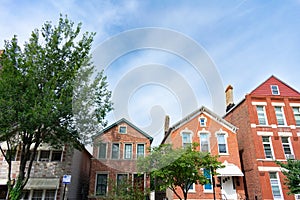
172, 57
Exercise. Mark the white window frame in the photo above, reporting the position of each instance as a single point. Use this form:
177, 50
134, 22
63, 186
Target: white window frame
262, 112
144, 152
289, 144
278, 183
131, 152
106, 144
271, 146
296, 114
121, 127
275, 90
193, 189
30, 193
204, 121
225, 139
208, 140
112, 151
208, 190
281, 112
188, 132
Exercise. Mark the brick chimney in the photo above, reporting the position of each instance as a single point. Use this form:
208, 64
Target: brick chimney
167, 123
229, 97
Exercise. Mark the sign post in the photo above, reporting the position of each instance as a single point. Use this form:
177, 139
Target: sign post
66, 180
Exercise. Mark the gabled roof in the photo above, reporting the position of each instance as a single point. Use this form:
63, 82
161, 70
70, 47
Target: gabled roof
284, 89
123, 120
199, 111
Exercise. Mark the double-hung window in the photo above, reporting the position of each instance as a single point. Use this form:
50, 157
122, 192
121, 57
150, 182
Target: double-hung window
280, 115
275, 90
204, 142
102, 151
275, 185
128, 151
186, 139
261, 114
222, 143
297, 115
267, 146
140, 151
101, 184
202, 121
207, 174
115, 151
286, 145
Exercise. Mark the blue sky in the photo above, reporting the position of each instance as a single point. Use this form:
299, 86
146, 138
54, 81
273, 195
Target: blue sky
247, 41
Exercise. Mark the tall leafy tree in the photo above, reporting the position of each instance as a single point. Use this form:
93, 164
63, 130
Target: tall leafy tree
42, 86
291, 170
178, 168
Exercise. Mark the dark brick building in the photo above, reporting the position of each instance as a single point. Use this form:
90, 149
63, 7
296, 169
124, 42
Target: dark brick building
268, 121
115, 153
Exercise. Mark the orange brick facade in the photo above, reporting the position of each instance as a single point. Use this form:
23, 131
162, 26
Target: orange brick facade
112, 167
258, 164
213, 126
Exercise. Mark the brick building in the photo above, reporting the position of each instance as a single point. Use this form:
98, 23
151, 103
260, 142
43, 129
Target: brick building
268, 121
115, 152
47, 172
217, 136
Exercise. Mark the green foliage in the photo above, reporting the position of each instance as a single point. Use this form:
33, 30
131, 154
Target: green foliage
291, 169
178, 168
126, 190
42, 87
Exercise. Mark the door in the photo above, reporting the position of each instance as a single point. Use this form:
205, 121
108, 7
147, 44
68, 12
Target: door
228, 189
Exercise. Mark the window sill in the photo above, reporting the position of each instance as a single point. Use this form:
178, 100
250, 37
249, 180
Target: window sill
224, 154
266, 159
208, 191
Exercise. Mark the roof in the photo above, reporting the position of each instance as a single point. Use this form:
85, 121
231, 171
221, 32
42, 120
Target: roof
264, 90
201, 110
123, 120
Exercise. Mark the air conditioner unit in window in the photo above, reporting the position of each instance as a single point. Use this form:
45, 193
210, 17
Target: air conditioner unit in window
290, 156
297, 196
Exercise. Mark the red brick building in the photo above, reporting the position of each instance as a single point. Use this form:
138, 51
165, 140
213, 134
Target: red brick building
115, 152
268, 121
217, 136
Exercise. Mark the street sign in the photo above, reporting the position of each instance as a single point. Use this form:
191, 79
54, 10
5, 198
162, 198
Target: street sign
66, 179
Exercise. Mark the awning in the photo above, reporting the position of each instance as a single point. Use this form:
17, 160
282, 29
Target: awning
230, 169
42, 183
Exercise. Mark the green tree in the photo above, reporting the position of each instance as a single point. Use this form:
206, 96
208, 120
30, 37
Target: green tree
42, 85
178, 168
291, 170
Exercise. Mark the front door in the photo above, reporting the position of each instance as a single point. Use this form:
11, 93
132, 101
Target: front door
228, 189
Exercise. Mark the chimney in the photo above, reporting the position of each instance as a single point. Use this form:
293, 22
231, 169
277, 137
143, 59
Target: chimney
229, 97
167, 123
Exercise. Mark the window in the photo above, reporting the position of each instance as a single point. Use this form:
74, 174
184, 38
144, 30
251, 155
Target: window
202, 121
207, 174
221, 137
101, 184
286, 147
297, 115
49, 195
192, 188
138, 182
128, 151
102, 151
186, 139
261, 114
115, 151
267, 146
121, 179
280, 115
56, 155
140, 152
44, 156
122, 129
204, 142
275, 90
275, 185
25, 194
37, 195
